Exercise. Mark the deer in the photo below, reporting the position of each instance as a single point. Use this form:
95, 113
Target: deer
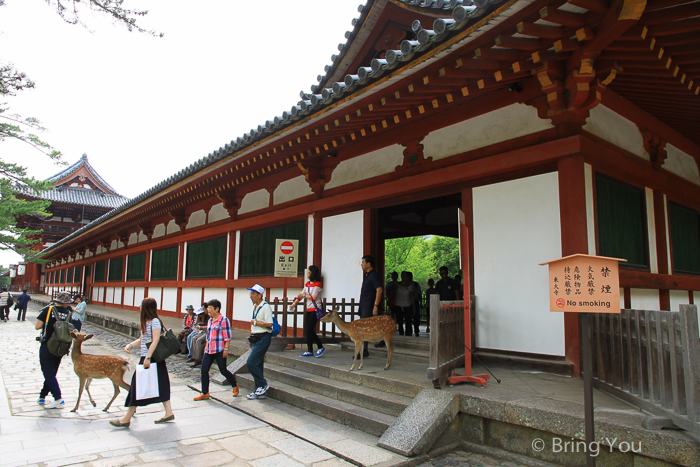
372, 329
89, 367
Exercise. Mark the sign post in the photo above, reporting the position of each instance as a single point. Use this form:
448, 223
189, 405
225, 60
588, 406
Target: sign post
286, 260
585, 284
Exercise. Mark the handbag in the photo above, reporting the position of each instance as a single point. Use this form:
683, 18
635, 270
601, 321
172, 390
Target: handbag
167, 345
320, 312
146, 382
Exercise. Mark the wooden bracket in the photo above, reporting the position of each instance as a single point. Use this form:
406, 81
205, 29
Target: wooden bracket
316, 176
147, 230
232, 202
655, 146
181, 218
413, 154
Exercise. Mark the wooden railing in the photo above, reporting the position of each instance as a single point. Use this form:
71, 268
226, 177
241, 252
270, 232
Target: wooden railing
446, 339
292, 322
650, 359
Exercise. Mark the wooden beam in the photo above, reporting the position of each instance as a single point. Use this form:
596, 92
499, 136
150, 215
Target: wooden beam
498, 54
540, 30
670, 14
599, 6
675, 27
518, 43
565, 18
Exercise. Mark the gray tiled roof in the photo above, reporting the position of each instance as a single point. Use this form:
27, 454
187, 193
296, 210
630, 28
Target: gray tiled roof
462, 12
83, 161
79, 196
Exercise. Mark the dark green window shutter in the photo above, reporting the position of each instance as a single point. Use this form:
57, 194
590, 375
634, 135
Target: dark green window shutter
206, 258
63, 276
257, 250
100, 271
622, 225
164, 264
685, 238
69, 275
136, 267
115, 269
77, 273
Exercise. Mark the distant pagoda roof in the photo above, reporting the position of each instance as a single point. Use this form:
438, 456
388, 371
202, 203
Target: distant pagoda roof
78, 184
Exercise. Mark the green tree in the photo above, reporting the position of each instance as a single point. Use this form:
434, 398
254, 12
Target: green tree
13, 177
423, 256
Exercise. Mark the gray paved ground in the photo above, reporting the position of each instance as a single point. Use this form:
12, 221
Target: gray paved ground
207, 433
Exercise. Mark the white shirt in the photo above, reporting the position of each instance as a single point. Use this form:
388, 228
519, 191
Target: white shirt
262, 313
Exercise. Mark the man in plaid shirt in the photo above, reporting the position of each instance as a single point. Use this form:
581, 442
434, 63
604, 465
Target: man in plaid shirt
218, 340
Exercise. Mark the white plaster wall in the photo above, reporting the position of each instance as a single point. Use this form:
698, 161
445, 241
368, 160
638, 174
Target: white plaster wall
96, 294
196, 219
129, 296
191, 296
681, 164
217, 213
155, 293
139, 295
622, 298
678, 297
651, 231
368, 165
616, 129
644, 299
133, 238
509, 122
242, 306
142, 237
98, 250
211, 293
109, 295
696, 301
517, 226
172, 227
159, 231
342, 251
114, 245
169, 299
253, 201
590, 210
292, 189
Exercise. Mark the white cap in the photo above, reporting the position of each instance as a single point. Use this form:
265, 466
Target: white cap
257, 288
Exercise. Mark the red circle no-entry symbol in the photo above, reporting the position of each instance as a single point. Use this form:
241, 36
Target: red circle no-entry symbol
560, 302
287, 248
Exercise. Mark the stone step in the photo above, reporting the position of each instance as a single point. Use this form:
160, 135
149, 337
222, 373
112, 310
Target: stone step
414, 343
386, 403
335, 367
400, 354
360, 418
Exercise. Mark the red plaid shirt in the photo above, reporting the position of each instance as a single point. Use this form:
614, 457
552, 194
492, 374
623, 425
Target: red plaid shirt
218, 334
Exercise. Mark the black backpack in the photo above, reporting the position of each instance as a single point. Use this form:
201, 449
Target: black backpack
60, 341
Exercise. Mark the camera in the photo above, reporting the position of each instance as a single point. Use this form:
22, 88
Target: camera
39, 338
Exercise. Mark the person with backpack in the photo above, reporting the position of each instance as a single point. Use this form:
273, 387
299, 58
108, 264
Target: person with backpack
55, 344
259, 340
6, 302
151, 328
21, 305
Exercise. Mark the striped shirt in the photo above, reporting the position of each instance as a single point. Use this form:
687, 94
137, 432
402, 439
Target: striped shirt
218, 334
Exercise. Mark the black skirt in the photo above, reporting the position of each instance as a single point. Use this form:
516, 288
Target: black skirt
163, 388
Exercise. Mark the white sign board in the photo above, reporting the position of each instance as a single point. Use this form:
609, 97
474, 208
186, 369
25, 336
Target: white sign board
286, 257
21, 269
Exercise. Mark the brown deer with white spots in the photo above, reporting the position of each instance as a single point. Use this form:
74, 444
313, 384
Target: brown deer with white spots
89, 367
372, 329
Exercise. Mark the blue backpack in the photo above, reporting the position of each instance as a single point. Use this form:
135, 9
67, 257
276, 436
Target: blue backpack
276, 328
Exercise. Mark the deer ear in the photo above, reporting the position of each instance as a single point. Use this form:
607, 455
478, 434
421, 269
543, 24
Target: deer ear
89, 336
73, 335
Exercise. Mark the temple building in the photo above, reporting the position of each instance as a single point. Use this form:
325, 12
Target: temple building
556, 127
80, 196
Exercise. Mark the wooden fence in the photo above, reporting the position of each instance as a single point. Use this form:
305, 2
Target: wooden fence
650, 359
446, 339
292, 322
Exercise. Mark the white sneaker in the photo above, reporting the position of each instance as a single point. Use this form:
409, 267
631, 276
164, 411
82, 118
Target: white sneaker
55, 404
262, 390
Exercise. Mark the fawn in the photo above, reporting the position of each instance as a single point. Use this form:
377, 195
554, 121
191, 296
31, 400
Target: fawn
89, 367
372, 329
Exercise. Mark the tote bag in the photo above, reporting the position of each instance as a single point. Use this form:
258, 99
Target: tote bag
146, 382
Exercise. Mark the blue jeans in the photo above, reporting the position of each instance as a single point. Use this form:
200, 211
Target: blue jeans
190, 336
256, 360
49, 367
207, 360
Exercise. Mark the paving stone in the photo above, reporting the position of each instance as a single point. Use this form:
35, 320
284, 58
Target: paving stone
160, 455
362, 453
71, 460
117, 461
203, 439
208, 459
120, 452
154, 447
200, 448
301, 450
335, 462
268, 434
246, 447
278, 460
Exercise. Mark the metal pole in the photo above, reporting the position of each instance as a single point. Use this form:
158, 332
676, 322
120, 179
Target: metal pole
588, 387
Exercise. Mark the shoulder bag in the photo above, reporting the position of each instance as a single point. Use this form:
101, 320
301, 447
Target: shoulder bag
167, 344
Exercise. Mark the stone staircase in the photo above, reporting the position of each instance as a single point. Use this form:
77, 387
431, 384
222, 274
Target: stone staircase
368, 400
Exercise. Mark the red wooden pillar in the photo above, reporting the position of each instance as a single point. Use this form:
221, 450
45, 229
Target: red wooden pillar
318, 241
574, 239
230, 273
661, 246
370, 232
468, 210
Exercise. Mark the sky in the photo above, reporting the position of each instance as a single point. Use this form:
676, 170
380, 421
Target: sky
142, 107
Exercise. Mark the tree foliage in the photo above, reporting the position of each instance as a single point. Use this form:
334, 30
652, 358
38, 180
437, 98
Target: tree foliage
13, 177
423, 256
